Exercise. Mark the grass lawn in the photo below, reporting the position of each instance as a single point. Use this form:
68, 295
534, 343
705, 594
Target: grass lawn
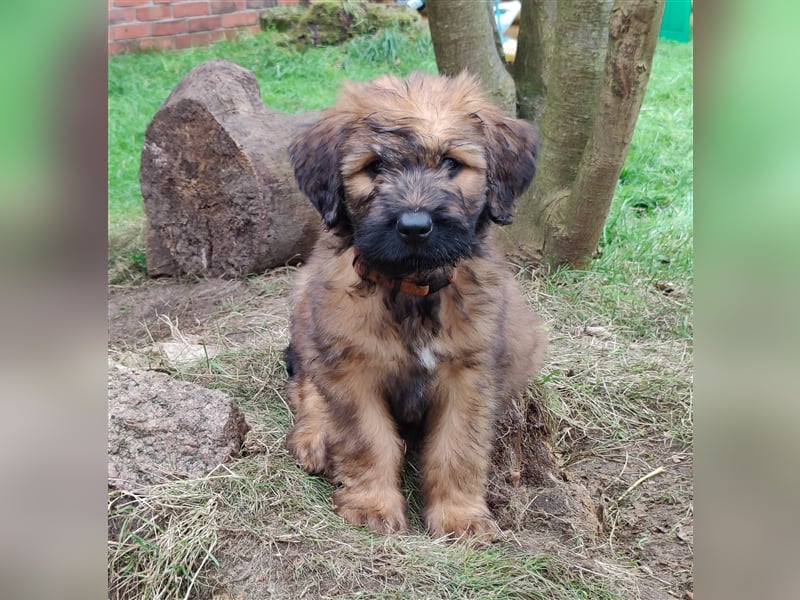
618, 378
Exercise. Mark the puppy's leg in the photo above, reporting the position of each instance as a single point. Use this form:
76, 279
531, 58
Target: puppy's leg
367, 457
456, 453
307, 439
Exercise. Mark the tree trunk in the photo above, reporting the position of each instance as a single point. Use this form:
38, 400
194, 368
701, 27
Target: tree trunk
463, 35
534, 50
219, 191
578, 50
597, 79
632, 38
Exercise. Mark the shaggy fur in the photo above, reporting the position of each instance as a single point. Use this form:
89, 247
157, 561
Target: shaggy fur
408, 327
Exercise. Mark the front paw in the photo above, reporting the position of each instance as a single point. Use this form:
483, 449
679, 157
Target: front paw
383, 513
470, 520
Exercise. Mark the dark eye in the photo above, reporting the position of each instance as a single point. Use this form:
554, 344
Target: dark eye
374, 168
452, 165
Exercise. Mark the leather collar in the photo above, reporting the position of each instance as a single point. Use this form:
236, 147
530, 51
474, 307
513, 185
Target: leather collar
404, 286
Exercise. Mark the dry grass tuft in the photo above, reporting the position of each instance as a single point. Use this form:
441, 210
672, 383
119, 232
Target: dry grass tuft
610, 385
161, 541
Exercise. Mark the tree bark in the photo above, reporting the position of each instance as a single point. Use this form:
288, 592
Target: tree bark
463, 35
578, 50
534, 51
594, 86
632, 38
219, 191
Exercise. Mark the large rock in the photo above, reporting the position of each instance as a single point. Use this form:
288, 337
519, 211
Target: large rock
161, 429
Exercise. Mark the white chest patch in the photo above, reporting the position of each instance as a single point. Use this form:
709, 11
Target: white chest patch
426, 358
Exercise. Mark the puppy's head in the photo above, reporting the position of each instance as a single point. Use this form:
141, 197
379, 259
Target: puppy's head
414, 169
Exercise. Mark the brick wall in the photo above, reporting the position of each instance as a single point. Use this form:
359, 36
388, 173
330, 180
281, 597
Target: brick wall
170, 24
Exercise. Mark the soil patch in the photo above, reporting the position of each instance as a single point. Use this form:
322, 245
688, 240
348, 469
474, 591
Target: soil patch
652, 525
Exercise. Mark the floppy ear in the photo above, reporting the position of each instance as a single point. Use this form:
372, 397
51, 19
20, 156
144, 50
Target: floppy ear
315, 155
511, 151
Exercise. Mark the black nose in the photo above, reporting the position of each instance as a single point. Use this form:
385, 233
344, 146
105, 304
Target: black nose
414, 226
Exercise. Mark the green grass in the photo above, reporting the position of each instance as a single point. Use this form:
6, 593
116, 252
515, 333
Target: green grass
650, 222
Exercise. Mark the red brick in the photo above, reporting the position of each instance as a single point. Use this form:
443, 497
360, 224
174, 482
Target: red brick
204, 24
217, 35
261, 3
161, 43
190, 9
153, 13
128, 32
121, 15
219, 7
193, 39
169, 27
129, 3
240, 19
